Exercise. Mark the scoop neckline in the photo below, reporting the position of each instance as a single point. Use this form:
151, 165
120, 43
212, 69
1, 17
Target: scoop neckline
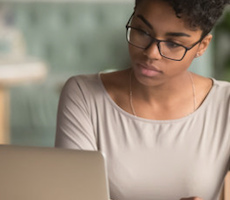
127, 114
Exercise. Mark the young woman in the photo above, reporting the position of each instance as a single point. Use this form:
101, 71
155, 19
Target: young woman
164, 130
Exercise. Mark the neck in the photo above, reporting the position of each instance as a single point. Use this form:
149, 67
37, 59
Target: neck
165, 95
162, 92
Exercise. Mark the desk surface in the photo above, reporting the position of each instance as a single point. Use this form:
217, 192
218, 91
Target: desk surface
14, 71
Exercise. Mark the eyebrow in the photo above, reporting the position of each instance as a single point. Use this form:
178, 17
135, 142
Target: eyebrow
145, 21
177, 34
172, 34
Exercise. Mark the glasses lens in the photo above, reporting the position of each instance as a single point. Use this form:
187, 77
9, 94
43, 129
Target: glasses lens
172, 50
138, 38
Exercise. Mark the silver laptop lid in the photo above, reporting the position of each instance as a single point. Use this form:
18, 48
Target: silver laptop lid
38, 173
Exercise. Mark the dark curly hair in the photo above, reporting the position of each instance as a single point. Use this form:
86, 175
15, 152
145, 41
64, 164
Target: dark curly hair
201, 14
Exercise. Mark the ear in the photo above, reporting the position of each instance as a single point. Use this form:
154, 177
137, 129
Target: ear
204, 45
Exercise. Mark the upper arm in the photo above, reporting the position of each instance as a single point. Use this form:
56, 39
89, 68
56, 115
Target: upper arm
74, 128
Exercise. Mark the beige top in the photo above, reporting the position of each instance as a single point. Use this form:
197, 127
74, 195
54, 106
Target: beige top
149, 159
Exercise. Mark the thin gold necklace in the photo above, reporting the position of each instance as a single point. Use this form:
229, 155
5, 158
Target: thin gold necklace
131, 93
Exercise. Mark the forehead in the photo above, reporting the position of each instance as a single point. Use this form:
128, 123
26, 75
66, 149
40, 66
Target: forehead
156, 9
162, 17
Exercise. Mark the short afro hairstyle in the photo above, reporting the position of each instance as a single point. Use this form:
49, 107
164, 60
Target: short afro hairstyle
201, 14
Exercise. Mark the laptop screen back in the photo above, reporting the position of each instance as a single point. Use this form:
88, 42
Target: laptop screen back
38, 173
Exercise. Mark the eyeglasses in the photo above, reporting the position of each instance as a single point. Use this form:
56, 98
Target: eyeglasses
167, 49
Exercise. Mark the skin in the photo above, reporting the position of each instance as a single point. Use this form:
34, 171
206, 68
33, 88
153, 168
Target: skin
157, 92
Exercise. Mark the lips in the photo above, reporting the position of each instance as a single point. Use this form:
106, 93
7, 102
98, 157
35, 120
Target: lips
148, 70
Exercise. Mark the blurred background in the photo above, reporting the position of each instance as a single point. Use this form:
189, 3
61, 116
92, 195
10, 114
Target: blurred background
43, 43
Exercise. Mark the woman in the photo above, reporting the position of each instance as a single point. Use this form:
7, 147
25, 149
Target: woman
164, 130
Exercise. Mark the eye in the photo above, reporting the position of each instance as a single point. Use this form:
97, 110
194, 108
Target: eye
143, 33
172, 45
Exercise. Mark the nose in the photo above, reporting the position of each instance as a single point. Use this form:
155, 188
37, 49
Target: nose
152, 52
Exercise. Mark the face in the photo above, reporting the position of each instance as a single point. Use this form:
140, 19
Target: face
159, 20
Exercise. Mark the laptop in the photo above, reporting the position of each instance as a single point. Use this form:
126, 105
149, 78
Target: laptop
42, 173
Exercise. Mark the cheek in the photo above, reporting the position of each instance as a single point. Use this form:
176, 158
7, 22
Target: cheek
135, 53
187, 60
179, 66
189, 57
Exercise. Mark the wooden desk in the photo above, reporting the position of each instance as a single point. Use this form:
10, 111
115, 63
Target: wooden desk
14, 72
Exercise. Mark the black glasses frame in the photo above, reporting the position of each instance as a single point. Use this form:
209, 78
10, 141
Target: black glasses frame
158, 41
